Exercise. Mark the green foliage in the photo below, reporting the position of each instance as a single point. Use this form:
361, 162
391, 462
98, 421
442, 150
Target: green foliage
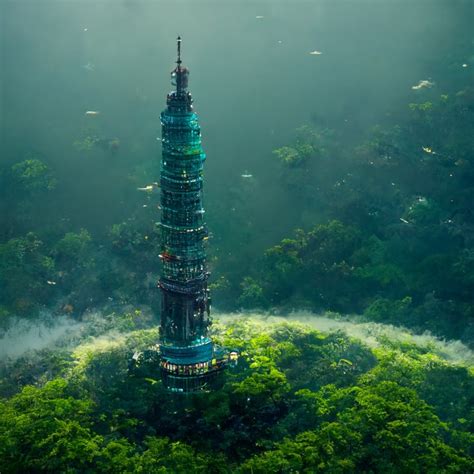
24, 273
387, 310
289, 156
33, 176
86, 143
394, 237
74, 250
315, 266
265, 381
163, 456
136, 242
125, 237
299, 401
422, 107
73, 245
385, 428
47, 429
387, 232
310, 144
423, 211
252, 294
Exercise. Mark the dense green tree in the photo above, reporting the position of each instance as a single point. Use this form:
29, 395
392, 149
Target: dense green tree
47, 429
33, 176
300, 400
383, 428
25, 274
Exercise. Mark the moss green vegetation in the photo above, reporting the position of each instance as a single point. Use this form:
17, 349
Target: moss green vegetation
394, 232
370, 217
384, 229
299, 401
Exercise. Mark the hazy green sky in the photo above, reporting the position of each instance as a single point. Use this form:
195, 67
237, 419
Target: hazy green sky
252, 75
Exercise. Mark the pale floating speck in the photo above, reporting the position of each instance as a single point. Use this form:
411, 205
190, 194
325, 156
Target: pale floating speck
404, 220
89, 67
92, 113
246, 175
85, 29
315, 53
424, 84
465, 65
427, 149
49, 282
259, 17
147, 189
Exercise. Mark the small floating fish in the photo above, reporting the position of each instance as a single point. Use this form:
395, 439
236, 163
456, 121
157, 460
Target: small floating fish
147, 189
424, 84
315, 53
92, 113
152, 381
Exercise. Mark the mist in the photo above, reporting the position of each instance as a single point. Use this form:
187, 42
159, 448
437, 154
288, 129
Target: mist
93, 334
369, 333
47, 331
252, 76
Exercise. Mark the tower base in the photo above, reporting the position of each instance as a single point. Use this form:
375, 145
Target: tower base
183, 375
191, 368
189, 383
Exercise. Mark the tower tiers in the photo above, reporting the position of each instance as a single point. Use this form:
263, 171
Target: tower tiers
188, 358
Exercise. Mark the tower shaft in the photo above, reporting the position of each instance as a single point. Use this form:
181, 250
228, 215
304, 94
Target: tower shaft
188, 358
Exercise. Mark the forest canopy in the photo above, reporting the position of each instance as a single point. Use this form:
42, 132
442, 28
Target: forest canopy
299, 400
338, 192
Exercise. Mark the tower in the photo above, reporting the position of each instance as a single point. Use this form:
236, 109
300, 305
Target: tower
188, 359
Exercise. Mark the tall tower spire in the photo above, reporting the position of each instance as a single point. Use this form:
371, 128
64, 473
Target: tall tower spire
189, 359
178, 41
180, 74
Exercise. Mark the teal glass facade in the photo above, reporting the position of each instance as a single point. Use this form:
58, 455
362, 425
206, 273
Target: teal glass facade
188, 357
